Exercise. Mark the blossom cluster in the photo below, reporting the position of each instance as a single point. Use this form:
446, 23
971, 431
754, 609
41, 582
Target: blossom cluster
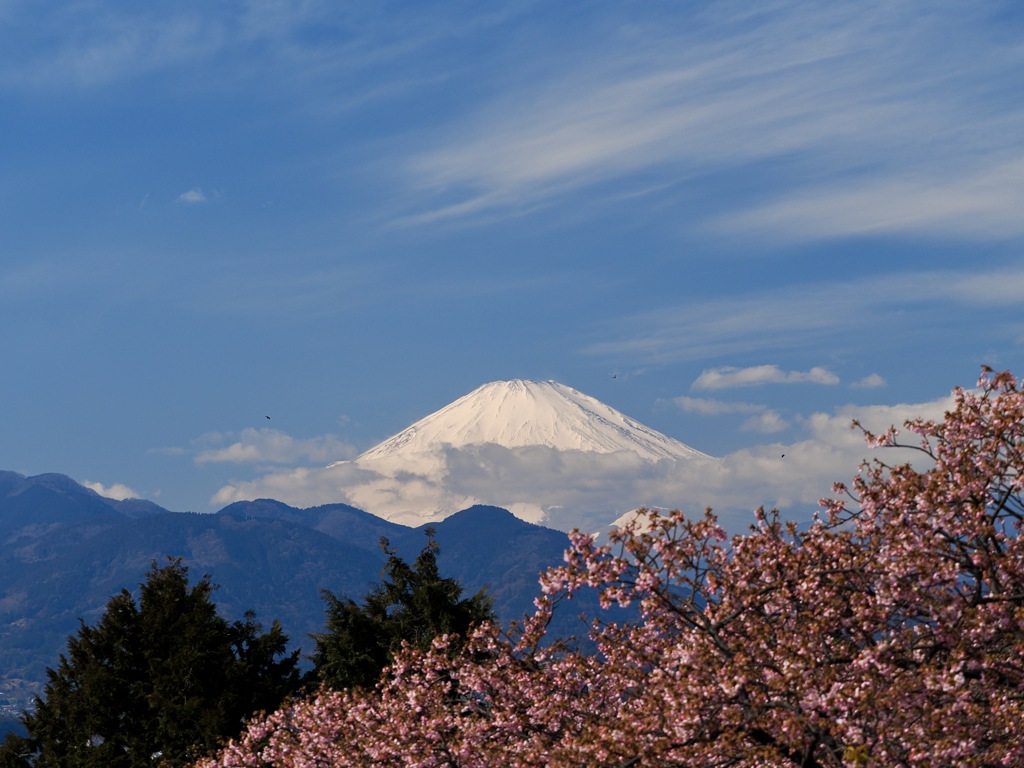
888, 632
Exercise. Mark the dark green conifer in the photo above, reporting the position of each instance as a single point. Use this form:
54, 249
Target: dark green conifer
160, 681
16, 752
413, 604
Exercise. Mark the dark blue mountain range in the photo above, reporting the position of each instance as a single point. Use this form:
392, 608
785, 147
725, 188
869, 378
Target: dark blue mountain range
65, 550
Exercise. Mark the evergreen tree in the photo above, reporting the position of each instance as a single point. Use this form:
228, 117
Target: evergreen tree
15, 752
161, 681
413, 604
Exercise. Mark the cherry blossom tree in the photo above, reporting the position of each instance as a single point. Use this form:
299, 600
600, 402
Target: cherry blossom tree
889, 632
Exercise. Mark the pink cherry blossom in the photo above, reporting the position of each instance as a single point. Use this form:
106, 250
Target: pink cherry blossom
889, 632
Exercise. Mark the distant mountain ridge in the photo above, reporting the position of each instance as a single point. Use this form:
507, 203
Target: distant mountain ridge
541, 449
55, 498
65, 550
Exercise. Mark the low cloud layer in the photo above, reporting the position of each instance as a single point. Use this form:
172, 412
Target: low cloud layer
764, 419
565, 489
271, 446
729, 377
117, 491
261, 448
267, 446
766, 422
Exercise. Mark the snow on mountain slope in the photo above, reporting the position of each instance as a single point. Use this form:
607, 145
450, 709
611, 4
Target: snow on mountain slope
545, 451
520, 413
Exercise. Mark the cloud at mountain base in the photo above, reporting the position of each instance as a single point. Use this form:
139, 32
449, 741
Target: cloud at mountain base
566, 489
116, 491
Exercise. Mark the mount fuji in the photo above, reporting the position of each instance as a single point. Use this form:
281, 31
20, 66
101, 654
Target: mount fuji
521, 413
545, 451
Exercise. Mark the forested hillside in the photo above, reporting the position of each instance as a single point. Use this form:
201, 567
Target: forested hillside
64, 551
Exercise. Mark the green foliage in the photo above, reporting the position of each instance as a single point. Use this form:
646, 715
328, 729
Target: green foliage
15, 752
413, 604
161, 681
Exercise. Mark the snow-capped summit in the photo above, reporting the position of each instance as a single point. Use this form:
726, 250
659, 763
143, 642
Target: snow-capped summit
547, 452
520, 413
544, 451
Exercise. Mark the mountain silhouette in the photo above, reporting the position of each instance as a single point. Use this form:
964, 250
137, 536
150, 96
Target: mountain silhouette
65, 551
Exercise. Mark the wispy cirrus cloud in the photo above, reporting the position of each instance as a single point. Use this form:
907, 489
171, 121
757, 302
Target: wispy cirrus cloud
93, 44
871, 381
709, 407
87, 45
869, 107
936, 202
105, 45
800, 314
757, 375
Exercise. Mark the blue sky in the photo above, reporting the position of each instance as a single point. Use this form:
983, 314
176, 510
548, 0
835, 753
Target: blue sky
733, 222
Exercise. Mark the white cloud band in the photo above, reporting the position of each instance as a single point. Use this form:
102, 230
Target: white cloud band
728, 377
572, 488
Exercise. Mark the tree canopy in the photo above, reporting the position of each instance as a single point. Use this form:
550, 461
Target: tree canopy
413, 605
160, 680
888, 632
